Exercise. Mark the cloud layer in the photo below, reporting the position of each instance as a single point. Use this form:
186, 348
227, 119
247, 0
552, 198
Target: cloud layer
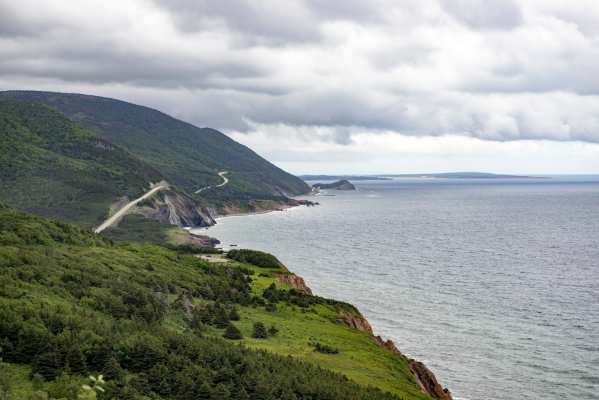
498, 70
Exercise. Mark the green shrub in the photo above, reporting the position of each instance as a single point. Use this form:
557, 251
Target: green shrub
324, 348
234, 315
259, 331
232, 332
258, 258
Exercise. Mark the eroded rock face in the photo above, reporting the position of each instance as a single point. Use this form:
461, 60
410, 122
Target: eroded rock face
203, 240
388, 344
357, 322
175, 208
295, 281
428, 381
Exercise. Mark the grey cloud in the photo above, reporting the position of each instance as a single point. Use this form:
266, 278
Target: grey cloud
272, 22
137, 71
258, 22
488, 14
14, 24
235, 63
351, 10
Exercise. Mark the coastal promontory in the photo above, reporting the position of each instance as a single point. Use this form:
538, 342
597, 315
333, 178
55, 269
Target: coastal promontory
337, 185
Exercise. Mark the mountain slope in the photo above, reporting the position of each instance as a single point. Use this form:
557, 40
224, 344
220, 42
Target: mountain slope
151, 319
186, 155
53, 167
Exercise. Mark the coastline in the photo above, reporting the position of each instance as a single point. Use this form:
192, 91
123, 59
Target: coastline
250, 213
294, 202
425, 378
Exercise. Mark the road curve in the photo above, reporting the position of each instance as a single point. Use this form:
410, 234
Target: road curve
223, 183
120, 213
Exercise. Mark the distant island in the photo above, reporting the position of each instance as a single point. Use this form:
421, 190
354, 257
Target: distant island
384, 177
461, 175
343, 177
338, 185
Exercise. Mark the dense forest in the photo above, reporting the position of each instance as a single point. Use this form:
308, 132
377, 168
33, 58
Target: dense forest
186, 155
72, 157
53, 167
161, 323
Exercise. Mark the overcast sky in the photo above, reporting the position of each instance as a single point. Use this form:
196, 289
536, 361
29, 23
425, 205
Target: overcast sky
336, 86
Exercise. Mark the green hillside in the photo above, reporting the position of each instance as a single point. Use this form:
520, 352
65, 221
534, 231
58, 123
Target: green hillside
186, 155
53, 167
152, 320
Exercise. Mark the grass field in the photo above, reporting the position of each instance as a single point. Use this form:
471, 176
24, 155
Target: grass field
359, 357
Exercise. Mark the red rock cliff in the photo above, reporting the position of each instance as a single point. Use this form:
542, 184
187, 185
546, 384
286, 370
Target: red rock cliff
295, 281
428, 381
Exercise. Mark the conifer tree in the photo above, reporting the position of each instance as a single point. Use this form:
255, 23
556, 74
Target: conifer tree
259, 331
231, 332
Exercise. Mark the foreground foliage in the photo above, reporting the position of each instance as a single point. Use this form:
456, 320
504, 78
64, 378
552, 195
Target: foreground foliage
73, 304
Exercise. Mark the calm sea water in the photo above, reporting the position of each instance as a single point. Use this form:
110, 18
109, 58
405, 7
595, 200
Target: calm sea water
494, 284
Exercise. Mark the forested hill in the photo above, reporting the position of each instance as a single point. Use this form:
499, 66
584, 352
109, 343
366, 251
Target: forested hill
51, 166
186, 155
162, 323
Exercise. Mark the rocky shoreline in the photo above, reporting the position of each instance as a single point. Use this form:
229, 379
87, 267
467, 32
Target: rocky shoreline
424, 376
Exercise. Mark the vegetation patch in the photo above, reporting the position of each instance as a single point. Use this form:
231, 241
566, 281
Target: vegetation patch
255, 257
151, 320
137, 228
54, 167
324, 348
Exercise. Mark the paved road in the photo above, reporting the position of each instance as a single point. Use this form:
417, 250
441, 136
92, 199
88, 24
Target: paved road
120, 213
223, 183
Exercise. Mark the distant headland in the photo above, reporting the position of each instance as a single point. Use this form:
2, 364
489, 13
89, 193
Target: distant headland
337, 185
443, 175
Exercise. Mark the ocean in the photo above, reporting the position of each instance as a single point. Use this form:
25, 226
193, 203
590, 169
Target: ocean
493, 283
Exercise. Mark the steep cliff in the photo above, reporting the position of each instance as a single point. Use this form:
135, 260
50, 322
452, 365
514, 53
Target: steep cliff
294, 281
428, 381
424, 376
175, 208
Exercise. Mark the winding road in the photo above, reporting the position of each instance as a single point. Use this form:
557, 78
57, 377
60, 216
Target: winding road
120, 213
223, 183
158, 187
